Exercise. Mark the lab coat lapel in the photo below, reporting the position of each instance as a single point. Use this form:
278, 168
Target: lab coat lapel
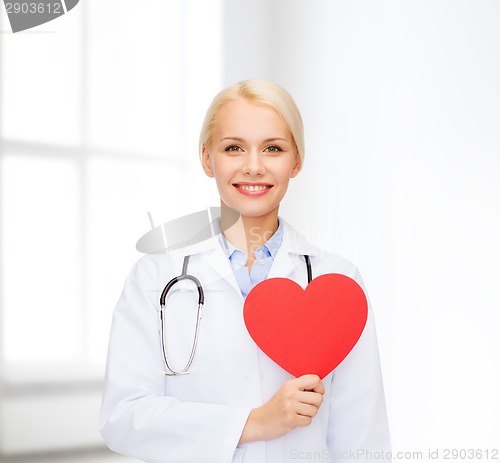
221, 267
283, 265
217, 264
293, 244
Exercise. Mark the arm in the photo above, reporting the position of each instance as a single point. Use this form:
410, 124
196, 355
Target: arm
138, 416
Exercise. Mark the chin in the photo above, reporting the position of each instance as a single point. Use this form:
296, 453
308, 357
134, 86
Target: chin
256, 212
247, 209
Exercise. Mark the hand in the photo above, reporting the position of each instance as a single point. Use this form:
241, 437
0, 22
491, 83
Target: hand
294, 405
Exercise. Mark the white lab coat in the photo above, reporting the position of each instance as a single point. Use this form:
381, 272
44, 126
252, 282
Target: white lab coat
199, 417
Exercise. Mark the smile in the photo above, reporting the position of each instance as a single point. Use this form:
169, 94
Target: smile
252, 189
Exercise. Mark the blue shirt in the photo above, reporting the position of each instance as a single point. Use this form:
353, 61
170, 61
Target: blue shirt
264, 258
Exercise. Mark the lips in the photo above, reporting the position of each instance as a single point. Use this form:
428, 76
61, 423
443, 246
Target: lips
253, 189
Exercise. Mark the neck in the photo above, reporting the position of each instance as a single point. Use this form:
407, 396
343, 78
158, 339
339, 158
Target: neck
248, 233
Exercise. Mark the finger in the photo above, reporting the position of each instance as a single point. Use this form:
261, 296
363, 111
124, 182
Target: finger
319, 388
311, 398
307, 410
307, 382
302, 420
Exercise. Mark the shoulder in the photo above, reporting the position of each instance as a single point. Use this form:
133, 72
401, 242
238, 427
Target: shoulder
167, 262
152, 267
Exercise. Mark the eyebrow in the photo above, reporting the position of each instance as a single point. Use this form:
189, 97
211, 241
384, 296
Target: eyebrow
267, 140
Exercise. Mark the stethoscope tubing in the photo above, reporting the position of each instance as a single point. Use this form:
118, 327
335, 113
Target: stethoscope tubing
201, 300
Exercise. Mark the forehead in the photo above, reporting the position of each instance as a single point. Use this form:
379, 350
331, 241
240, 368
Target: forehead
244, 116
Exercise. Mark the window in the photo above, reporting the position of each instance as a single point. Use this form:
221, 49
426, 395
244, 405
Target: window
98, 127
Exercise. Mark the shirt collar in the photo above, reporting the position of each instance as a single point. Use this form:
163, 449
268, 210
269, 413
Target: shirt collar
272, 244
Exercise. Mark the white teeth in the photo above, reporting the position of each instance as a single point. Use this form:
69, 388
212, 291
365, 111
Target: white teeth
252, 187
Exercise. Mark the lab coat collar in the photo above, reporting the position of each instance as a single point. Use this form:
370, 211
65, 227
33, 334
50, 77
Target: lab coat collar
283, 265
293, 244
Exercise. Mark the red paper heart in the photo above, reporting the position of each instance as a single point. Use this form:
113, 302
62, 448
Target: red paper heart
309, 331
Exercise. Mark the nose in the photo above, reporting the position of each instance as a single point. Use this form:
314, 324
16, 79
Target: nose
253, 163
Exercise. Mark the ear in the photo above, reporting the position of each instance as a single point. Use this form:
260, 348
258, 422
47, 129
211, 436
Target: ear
206, 162
296, 167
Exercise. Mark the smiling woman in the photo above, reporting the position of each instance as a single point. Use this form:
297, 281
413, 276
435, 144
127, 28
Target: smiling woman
252, 143
252, 167
232, 403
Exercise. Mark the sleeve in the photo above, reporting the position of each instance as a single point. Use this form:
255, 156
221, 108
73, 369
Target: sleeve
358, 427
138, 417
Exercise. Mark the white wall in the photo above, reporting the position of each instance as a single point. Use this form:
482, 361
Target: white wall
401, 106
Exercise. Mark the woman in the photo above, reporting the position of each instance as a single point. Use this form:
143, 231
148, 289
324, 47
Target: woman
236, 404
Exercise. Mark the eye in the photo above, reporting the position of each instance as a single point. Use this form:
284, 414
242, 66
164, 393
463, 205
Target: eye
233, 148
273, 149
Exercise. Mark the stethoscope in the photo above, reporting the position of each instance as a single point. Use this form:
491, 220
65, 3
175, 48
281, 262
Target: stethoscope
201, 299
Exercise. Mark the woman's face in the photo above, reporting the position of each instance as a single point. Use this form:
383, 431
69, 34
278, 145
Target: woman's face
252, 157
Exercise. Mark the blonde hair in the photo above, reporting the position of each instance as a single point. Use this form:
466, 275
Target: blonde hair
259, 92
